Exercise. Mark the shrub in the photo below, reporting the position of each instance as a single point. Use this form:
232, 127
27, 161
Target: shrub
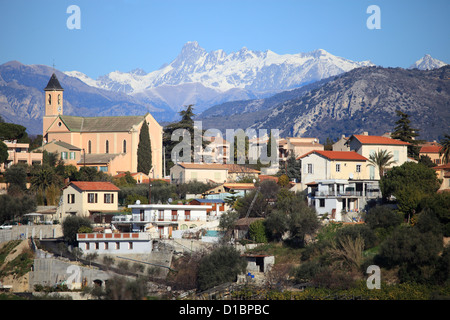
257, 231
222, 265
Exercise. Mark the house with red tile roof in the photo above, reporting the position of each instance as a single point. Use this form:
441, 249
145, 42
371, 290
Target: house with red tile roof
88, 198
338, 183
366, 145
443, 173
432, 150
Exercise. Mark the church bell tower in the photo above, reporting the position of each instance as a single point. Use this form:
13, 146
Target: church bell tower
53, 103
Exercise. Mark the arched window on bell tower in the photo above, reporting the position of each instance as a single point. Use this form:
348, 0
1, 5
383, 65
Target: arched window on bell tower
89, 147
107, 147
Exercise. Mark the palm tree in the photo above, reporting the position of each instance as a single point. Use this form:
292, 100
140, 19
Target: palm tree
381, 159
445, 150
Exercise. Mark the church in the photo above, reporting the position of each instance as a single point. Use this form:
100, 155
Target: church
108, 143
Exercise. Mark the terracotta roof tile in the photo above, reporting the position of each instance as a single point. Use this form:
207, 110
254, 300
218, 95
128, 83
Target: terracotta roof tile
430, 149
95, 186
337, 155
378, 140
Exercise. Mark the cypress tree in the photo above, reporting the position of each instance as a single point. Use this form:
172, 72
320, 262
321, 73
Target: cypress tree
404, 132
144, 151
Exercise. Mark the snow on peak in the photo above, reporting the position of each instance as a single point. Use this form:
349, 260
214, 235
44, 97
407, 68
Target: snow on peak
427, 63
255, 71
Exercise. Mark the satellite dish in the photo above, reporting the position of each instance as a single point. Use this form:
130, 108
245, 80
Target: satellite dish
351, 176
169, 200
138, 201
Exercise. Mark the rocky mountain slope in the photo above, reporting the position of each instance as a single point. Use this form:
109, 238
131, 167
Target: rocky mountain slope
365, 99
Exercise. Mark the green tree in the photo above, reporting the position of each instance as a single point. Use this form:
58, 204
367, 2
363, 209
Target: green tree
222, 265
16, 177
3, 152
11, 131
426, 160
381, 160
445, 150
409, 184
276, 224
71, 226
302, 223
292, 168
14, 207
382, 217
411, 250
328, 144
187, 123
257, 231
144, 151
404, 132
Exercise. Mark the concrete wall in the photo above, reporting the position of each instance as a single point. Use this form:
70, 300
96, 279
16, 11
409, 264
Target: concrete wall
36, 231
48, 272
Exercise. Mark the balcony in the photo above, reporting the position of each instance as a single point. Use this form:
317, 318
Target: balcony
345, 194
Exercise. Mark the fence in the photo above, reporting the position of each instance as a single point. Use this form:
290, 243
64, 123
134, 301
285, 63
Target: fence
35, 231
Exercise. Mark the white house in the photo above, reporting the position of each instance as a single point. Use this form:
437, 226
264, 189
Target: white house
338, 183
161, 219
115, 243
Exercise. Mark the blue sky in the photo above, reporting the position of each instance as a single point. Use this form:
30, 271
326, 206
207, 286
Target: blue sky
127, 34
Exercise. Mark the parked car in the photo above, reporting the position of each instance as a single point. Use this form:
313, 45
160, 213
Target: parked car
6, 226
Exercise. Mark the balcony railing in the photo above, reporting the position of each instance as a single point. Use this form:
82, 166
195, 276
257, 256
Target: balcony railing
340, 194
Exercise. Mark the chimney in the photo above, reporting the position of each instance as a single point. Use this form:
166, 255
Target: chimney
365, 133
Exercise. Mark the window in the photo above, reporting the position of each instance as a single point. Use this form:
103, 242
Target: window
106, 245
174, 215
322, 203
130, 245
103, 168
338, 167
109, 198
358, 168
49, 99
107, 146
310, 168
396, 157
89, 146
141, 214
161, 215
64, 155
124, 146
92, 198
117, 245
59, 99
72, 155
187, 215
71, 198
96, 246
87, 246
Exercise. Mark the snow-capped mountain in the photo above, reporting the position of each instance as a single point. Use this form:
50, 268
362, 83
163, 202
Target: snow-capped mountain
246, 73
427, 63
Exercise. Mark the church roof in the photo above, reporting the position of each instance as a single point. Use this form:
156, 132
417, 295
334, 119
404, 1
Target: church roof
97, 158
101, 124
53, 83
